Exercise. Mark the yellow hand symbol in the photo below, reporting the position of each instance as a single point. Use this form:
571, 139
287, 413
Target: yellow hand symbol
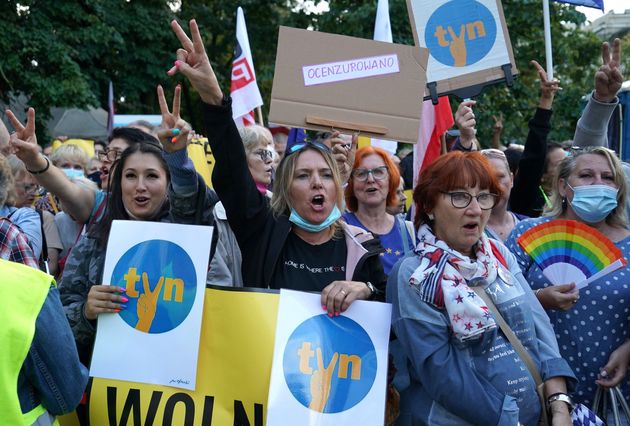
147, 303
321, 381
458, 46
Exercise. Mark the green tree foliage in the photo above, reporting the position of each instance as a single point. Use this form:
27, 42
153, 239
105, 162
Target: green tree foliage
576, 54
65, 52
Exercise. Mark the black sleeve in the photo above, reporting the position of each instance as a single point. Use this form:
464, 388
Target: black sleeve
245, 206
525, 198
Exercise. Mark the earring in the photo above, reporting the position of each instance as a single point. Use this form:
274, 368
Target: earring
564, 203
430, 215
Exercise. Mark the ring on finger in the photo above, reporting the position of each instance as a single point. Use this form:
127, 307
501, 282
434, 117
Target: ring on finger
343, 292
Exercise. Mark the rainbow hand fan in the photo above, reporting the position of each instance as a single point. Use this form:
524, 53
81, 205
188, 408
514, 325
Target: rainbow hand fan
569, 251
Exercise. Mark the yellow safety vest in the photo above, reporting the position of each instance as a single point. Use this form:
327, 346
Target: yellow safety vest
23, 291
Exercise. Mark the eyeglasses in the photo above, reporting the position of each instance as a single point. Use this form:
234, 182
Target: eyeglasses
378, 173
30, 188
461, 199
109, 154
264, 154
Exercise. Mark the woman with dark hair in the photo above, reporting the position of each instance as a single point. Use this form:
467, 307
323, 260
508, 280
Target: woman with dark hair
297, 241
372, 188
463, 369
147, 184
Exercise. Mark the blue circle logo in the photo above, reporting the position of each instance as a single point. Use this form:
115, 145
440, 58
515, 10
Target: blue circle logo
161, 285
460, 33
329, 363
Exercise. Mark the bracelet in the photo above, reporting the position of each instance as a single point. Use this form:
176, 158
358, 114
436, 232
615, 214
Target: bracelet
560, 396
45, 169
537, 292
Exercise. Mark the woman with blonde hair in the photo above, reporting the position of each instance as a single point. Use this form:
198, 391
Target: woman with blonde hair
297, 242
593, 325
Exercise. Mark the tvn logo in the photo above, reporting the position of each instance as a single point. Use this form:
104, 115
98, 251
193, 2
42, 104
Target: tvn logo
161, 285
460, 33
329, 364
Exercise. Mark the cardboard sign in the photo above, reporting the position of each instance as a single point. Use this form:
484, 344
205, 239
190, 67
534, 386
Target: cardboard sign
468, 41
155, 339
235, 355
360, 85
328, 370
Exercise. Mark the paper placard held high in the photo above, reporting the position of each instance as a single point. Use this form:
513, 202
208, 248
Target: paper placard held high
325, 81
468, 41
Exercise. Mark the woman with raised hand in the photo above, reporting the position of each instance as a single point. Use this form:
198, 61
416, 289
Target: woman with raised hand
297, 242
149, 183
372, 188
463, 368
591, 324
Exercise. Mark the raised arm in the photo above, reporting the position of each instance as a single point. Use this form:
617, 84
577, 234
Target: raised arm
465, 121
78, 201
525, 192
592, 127
247, 209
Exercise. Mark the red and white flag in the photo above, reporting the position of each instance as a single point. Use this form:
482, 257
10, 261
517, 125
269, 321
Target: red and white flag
244, 90
436, 120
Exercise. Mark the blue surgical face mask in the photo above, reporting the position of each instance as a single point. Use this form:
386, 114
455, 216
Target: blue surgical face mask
296, 219
73, 173
593, 203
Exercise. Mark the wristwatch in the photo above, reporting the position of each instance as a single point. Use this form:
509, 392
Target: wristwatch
560, 397
372, 288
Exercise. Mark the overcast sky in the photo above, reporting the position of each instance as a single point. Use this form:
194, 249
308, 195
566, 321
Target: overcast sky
617, 5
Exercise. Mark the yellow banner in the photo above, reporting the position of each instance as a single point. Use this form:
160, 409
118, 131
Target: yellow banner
201, 155
233, 372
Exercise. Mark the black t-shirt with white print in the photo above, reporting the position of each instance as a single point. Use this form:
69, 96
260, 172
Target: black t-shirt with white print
307, 267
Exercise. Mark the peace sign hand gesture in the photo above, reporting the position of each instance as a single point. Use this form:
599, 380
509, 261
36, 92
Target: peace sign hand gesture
24, 141
192, 61
174, 131
608, 78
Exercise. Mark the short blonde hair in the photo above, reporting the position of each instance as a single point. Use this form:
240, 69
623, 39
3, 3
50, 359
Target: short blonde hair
69, 152
252, 136
617, 217
7, 183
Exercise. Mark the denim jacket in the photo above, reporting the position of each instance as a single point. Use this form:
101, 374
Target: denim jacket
52, 374
479, 382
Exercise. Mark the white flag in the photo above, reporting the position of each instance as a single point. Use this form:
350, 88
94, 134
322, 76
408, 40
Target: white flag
383, 32
244, 90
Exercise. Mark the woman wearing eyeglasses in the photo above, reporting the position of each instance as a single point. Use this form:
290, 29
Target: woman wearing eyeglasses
298, 241
371, 190
590, 187
463, 369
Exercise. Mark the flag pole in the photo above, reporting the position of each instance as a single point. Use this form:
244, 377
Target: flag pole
548, 53
260, 116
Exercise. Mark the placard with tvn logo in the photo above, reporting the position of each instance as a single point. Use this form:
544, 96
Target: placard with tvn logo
328, 370
155, 339
468, 41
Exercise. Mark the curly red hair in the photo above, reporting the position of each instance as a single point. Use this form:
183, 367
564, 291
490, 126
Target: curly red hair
451, 171
394, 177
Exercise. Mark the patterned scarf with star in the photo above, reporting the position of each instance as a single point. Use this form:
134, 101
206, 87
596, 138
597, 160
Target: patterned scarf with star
442, 281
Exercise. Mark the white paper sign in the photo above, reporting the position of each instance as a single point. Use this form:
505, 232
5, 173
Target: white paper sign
462, 36
328, 371
349, 70
163, 268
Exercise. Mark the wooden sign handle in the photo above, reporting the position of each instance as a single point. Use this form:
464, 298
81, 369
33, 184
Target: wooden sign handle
346, 125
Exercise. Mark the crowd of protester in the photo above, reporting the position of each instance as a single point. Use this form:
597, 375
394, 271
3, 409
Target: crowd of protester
450, 265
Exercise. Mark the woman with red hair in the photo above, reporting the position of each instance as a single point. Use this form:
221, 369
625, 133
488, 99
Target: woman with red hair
463, 370
371, 189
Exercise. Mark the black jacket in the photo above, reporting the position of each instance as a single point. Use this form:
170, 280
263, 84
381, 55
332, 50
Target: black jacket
261, 236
